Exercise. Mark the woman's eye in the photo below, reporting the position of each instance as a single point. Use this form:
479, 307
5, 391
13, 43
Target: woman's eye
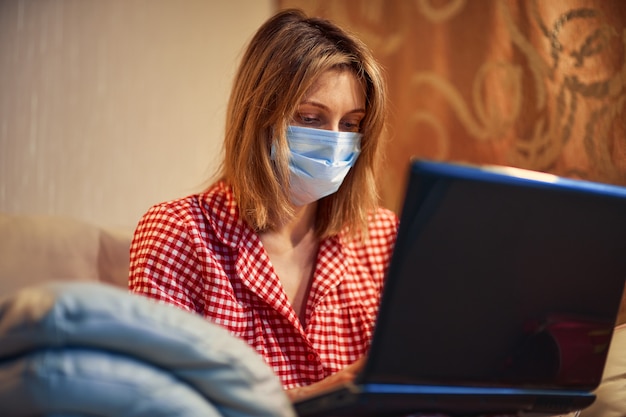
308, 119
350, 126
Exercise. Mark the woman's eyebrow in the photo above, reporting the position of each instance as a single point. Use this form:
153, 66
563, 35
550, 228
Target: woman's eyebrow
325, 107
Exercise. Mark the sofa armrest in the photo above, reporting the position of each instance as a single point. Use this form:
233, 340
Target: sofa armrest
611, 394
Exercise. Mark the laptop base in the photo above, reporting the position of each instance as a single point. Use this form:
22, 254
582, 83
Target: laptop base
381, 400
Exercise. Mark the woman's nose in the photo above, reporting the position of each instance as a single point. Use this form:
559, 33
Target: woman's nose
334, 126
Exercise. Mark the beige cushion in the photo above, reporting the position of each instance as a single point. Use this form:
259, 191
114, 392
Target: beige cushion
36, 249
611, 394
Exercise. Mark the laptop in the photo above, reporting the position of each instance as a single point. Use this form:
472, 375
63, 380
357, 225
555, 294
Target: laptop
500, 299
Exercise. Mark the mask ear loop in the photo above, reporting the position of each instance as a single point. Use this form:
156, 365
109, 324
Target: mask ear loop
277, 138
275, 158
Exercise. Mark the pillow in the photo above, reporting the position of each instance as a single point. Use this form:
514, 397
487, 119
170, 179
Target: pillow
114, 256
36, 249
96, 316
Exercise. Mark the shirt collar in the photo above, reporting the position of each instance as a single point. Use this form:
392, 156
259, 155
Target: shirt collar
220, 209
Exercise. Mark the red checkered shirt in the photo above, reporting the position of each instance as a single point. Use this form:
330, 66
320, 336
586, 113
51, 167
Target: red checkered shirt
197, 253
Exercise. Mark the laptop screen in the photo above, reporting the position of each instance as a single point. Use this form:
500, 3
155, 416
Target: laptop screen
501, 277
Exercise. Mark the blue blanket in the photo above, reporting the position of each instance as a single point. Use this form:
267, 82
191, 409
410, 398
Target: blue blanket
94, 349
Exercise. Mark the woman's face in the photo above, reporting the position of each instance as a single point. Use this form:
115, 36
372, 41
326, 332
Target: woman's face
336, 101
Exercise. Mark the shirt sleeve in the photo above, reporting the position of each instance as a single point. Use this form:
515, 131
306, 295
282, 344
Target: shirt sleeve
163, 261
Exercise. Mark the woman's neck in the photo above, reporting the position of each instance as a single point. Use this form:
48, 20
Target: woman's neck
292, 249
298, 228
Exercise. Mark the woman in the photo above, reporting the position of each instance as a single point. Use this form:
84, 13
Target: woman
288, 249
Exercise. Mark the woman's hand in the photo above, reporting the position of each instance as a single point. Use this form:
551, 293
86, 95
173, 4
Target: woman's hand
347, 374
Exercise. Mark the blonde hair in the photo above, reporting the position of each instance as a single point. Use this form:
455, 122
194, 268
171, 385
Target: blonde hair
282, 61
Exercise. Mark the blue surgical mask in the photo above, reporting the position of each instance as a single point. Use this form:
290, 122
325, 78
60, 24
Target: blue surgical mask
319, 160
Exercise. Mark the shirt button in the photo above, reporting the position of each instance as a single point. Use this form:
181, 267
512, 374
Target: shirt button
310, 357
